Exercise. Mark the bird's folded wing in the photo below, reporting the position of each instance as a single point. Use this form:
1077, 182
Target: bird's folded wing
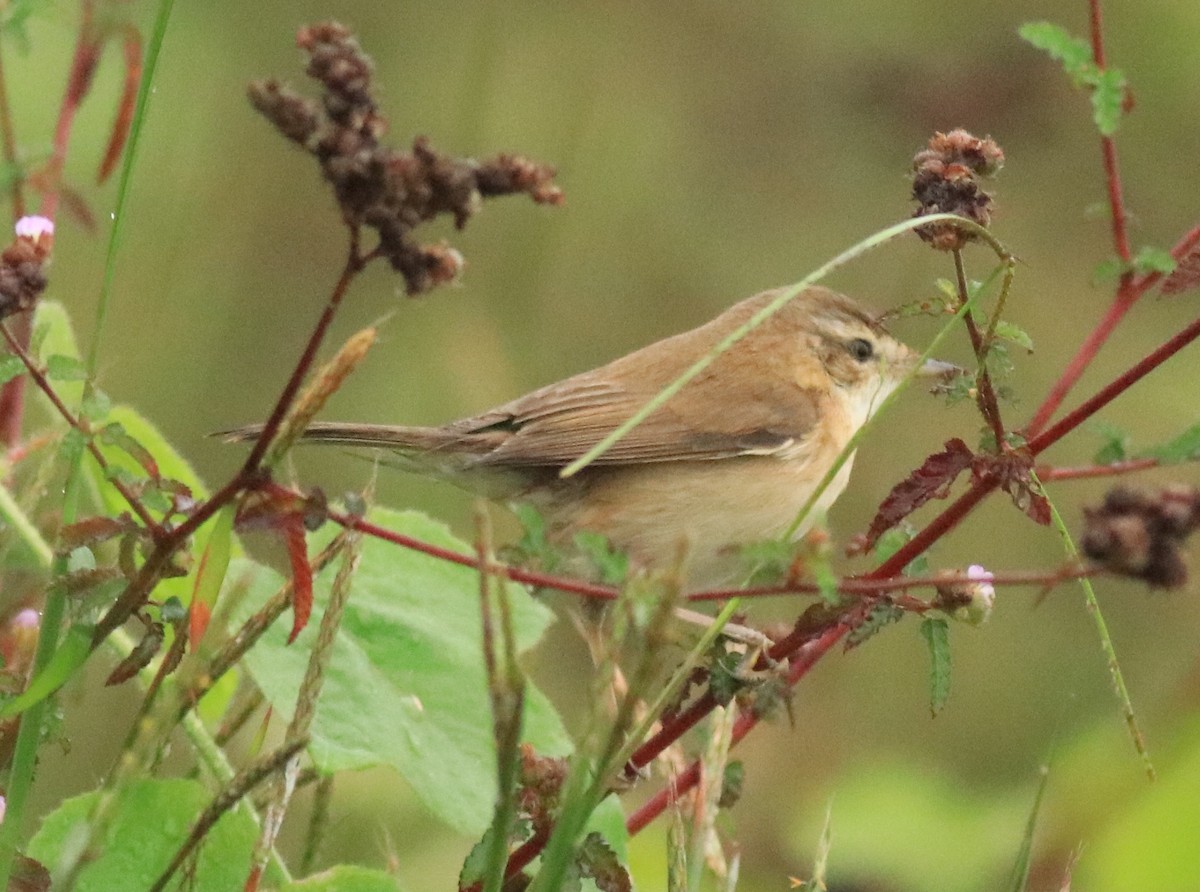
711, 418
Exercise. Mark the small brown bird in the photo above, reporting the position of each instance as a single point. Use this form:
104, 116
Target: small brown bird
730, 459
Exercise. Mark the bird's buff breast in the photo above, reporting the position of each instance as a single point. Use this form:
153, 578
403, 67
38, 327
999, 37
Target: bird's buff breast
712, 508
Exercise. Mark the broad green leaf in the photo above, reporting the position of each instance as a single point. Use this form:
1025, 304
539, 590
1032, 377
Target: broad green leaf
1013, 332
346, 878
1185, 447
406, 684
153, 818
936, 633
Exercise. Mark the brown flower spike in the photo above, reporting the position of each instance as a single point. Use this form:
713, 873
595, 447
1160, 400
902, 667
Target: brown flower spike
946, 178
376, 185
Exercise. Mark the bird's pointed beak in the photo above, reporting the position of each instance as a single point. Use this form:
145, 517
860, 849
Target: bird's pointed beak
935, 368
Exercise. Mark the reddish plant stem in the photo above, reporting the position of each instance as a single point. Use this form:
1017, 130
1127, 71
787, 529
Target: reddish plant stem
516, 574
8, 141
248, 477
1115, 388
745, 723
1047, 474
989, 407
1126, 295
43, 385
83, 66
354, 265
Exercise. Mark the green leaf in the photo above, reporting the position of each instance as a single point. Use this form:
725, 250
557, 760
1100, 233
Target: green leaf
346, 878
1014, 333
936, 633
54, 336
1116, 443
880, 616
1185, 447
1153, 260
406, 684
612, 564
96, 405
65, 368
1108, 100
1108, 270
170, 465
1074, 53
152, 819
10, 367
71, 654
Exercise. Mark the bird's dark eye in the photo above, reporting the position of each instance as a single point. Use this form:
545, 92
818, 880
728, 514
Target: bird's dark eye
861, 349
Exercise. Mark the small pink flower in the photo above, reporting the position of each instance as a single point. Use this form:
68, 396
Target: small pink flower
34, 228
983, 578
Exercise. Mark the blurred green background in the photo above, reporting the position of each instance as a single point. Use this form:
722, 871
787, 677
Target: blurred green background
708, 151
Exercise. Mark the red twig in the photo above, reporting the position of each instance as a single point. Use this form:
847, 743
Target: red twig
354, 265
1047, 474
9, 142
83, 66
1115, 388
1126, 295
43, 385
800, 666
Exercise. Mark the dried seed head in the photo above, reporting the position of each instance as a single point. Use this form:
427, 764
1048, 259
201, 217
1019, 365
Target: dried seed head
377, 186
22, 265
1139, 534
946, 178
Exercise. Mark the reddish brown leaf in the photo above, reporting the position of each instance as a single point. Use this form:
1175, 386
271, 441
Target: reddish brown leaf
1013, 470
1186, 274
140, 657
93, 530
930, 481
302, 581
198, 617
28, 876
125, 107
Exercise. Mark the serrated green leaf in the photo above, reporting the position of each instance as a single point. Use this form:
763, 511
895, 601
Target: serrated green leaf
1010, 331
612, 564
151, 820
10, 367
171, 465
880, 616
1108, 100
936, 633
1108, 270
406, 684
1153, 260
1116, 443
1074, 53
54, 336
60, 367
96, 405
1185, 447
